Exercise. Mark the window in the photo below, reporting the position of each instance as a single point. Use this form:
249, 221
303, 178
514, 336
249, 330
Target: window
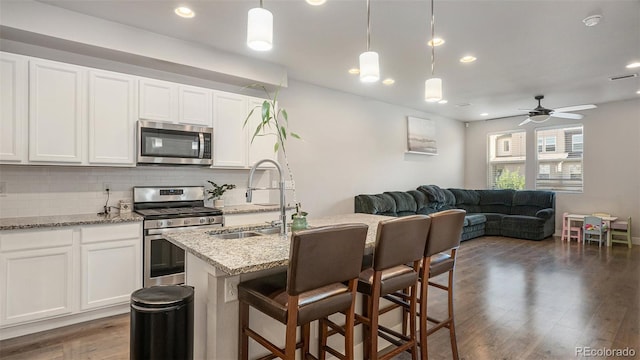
559, 164
507, 156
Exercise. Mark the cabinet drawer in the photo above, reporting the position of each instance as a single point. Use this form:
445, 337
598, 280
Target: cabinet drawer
25, 240
97, 233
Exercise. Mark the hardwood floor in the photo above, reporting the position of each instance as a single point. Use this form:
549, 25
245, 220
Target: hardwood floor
515, 299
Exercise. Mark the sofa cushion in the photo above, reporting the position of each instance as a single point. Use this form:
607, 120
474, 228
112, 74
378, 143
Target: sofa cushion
466, 197
450, 199
405, 203
496, 201
474, 219
434, 193
380, 204
523, 227
529, 202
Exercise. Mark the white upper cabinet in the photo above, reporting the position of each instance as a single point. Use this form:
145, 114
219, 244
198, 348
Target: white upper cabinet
176, 103
262, 145
230, 137
57, 95
112, 118
158, 100
13, 107
195, 105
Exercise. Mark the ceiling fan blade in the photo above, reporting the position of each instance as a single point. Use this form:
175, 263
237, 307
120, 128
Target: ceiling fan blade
567, 115
576, 108
526, 121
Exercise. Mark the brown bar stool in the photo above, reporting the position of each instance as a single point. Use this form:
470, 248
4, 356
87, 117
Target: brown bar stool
399, 241
439, 258
321, 260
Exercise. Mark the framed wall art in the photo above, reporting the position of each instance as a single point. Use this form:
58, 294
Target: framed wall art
421, 136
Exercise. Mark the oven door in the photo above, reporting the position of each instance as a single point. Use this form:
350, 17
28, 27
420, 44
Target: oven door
163, 262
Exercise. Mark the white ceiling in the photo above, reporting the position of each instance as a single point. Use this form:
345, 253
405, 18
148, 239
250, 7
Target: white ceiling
524, 48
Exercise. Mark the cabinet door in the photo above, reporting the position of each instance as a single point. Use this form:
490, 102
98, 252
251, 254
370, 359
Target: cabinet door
57, 93
36, 284
112, 117
158, 100
262, 145
230, 137
13, 107
111, 271
195, 105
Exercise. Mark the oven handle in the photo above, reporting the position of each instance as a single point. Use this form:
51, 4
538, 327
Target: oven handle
151, 232
201, 154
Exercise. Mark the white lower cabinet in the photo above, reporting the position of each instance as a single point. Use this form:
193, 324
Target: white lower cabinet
57, 276
111, 264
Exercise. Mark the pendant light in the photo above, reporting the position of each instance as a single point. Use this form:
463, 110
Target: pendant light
369, 68
433, 85
260, 29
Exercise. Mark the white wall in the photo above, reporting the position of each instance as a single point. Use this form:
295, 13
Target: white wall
611, 159
354, 145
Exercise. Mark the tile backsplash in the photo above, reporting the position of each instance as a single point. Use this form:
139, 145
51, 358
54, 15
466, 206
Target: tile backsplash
64, 190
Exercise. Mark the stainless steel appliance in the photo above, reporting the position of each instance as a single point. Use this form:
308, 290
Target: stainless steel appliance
168, 209
174, 144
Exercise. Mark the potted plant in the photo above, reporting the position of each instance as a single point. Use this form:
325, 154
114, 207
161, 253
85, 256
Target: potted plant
216, 191
274, 120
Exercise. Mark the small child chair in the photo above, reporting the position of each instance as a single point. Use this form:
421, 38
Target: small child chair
621, 228
568, 230
593, 228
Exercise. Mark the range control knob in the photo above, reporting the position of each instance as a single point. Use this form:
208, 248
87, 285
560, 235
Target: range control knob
169, 222
160, 223
212, 220
187, 222
203, 220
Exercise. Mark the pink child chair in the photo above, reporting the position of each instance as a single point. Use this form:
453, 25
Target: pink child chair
568, 231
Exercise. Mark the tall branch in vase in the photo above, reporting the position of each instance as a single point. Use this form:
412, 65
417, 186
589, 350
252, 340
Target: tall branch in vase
274, 120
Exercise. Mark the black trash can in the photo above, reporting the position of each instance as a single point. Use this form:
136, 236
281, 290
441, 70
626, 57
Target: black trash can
162, 323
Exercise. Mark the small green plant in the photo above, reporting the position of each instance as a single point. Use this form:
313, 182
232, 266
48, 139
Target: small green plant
218, 190
510, 180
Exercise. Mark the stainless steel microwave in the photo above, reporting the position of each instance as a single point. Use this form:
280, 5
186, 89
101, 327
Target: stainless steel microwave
174, 144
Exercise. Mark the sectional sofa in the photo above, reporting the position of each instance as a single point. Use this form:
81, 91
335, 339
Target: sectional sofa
524, 214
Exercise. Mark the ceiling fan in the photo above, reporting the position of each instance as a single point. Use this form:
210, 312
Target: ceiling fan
541, 114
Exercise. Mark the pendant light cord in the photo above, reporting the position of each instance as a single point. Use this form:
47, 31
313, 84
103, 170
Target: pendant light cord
368, 26
433, 44
261, 4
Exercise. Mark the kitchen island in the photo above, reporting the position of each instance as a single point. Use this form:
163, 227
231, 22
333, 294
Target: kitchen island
214, 267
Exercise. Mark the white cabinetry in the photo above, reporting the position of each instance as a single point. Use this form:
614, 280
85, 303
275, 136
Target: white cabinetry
111, 264
37, 275
230, 136
172, 102
13, 107
56, 111
58, 276
112, 118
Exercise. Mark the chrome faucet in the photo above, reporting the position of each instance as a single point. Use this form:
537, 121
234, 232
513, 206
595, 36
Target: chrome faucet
283, 215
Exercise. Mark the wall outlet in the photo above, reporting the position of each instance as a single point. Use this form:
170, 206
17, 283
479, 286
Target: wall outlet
3, 188
231, 288
106, 187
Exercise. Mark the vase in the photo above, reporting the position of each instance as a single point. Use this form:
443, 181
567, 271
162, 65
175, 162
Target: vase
219, 203
299, 222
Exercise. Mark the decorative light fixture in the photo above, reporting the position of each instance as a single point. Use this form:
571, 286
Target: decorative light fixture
433, 86
184, 12
316, 2
260, 29
369, 68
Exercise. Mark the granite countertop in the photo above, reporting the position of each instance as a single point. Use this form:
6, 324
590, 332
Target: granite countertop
244, 255
251, 208
33, 222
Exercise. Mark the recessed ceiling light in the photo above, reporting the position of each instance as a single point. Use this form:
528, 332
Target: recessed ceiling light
633, 65
316, 2
443, 101
184, 12
638, 92
388, 81
436, 42
592, 20
468, 59
354, 71
484, 114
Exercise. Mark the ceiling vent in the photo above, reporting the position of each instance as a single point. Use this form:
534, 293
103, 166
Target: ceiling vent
623, 77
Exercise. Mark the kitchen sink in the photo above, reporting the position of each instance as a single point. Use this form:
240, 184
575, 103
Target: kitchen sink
268, 231
236, 235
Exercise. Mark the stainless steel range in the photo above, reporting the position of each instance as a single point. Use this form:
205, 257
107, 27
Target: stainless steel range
168, 209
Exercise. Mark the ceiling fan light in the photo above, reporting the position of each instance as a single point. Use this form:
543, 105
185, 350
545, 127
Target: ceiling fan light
260, 29
539, 118
433, 90
369, 67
